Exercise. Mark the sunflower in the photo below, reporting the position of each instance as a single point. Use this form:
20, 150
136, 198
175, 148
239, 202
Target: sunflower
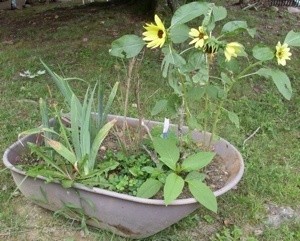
282, 53
232, 50
156, 33
199, 36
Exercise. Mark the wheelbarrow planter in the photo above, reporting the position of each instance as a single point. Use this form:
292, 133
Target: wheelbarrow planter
122, 214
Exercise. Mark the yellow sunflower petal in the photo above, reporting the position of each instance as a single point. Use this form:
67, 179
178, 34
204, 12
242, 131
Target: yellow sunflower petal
194, 41
155, 34
199, 43
227, 56
201, 29
159, 22
282, 53
194, 32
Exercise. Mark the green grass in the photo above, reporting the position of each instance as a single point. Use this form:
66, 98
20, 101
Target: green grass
76, 43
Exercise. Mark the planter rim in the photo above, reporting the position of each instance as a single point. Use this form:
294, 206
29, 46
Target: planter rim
232, 183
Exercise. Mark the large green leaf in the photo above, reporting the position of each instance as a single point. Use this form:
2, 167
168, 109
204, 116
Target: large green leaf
215, 92
262, 53
195, 175
226, 79
64, 132
208, 20
127, 46
202, 76
196, 60
173, 187
193, 123
171, 57
174, 82
47, 158
179, 33
195, 93
149, 188
159, 107
197, 161
37, 130
37, 171
62, 84
293, 38
219, 13
100, 117
98, 140
109, 102
280, 79
203, 194
233, 26
85, 135
75, 128
188, 12
167, 150
234, 118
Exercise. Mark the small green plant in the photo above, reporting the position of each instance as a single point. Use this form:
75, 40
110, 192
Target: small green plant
232, 234
71, 149
71, 145
201, 67
102, 109
181, 172
130, 172
73, 212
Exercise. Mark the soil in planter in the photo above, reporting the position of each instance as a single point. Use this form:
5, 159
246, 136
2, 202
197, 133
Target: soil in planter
216, 178
126, 177
216, 173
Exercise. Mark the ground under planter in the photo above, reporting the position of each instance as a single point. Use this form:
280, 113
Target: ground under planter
122, 214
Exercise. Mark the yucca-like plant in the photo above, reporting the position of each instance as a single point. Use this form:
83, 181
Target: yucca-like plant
75, 143
98, 119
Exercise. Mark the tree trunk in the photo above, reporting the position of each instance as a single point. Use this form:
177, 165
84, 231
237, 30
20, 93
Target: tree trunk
174, 4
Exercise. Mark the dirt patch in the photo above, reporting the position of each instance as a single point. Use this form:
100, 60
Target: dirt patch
32, 222
44, 21
48, 18
280, 214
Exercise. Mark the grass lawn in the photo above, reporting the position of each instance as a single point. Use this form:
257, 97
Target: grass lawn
74, 41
